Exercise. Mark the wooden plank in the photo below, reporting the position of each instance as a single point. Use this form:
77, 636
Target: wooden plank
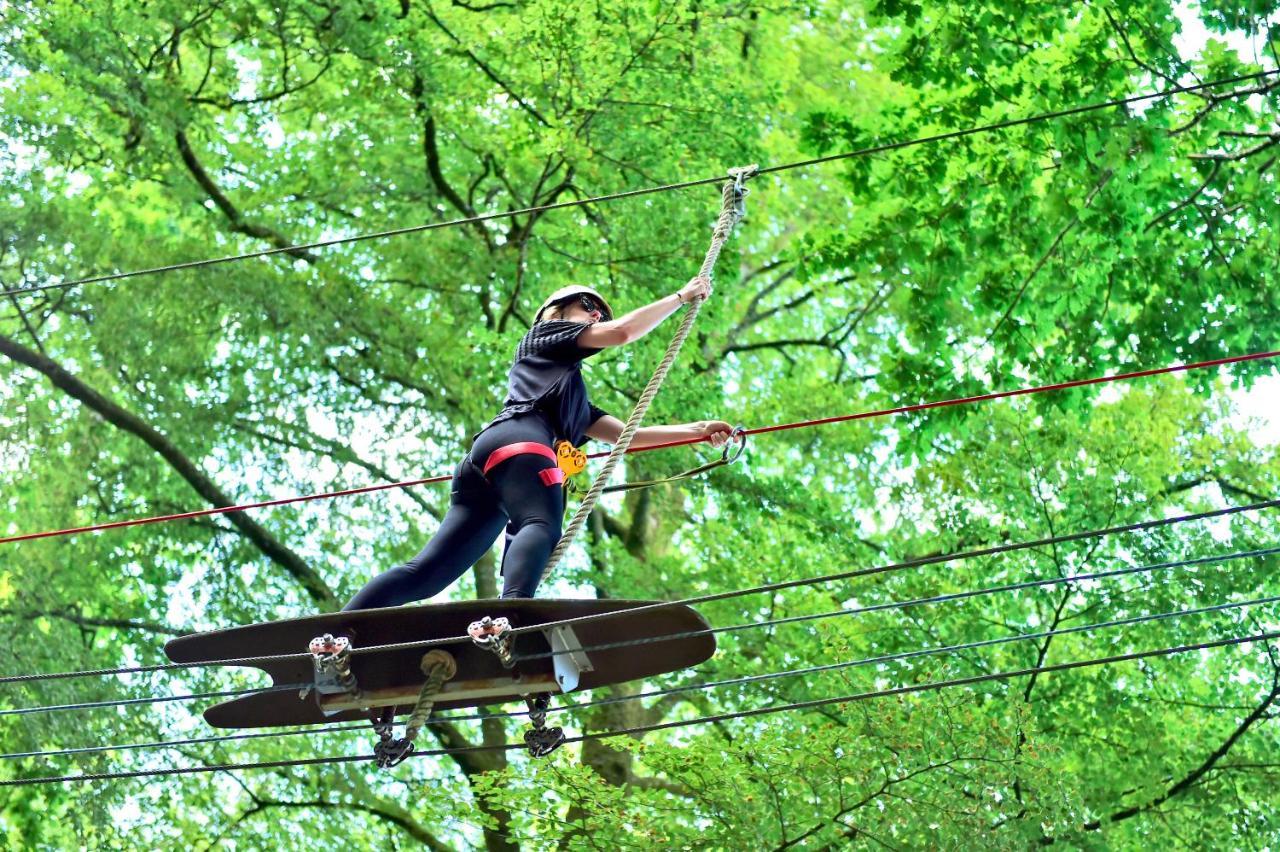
503, 688
398, 671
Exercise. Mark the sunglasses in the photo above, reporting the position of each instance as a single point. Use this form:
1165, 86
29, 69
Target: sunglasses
589, 304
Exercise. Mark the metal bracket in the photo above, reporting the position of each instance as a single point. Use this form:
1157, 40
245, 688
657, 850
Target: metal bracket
389, 751
568, 658
331, 664
540, 739
735, 446
494, 634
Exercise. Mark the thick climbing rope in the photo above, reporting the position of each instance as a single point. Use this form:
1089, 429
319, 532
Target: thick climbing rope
731, 212
439, 667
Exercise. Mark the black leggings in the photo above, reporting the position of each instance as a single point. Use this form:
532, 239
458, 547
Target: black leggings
522, 492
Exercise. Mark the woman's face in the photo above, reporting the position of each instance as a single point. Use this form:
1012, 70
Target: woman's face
584, 308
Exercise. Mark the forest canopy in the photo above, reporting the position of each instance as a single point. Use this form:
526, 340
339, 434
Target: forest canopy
144, 134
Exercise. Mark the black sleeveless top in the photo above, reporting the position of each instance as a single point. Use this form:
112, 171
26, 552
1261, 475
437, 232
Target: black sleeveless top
546, 377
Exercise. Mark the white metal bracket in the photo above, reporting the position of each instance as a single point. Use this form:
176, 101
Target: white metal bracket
569, 659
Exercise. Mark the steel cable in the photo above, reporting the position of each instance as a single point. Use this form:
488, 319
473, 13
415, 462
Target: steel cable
910, 563
717, 596
154, 699
927, 686
673, 690
560, 205
888, 605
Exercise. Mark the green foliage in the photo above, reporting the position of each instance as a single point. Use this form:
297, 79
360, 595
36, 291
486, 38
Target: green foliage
142, 134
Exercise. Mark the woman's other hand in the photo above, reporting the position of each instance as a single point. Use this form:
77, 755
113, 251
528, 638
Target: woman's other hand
717, 432
699, 287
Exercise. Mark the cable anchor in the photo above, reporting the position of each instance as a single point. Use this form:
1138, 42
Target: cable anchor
740, 175
494, 634
389, 751
331, 662
439, 667
540, 739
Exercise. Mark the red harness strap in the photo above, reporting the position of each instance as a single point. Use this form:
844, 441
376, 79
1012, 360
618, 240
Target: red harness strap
501, 454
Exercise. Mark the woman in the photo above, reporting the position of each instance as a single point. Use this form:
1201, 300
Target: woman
511, 477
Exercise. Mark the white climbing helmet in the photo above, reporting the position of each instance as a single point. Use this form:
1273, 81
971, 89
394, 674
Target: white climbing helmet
567, 293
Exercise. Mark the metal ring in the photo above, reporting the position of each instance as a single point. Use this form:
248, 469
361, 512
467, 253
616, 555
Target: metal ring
739, 434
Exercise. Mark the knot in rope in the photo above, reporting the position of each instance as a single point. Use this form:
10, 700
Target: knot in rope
439, 667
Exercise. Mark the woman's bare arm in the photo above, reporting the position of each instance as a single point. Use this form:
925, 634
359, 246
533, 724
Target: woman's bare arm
608, 428
641, 321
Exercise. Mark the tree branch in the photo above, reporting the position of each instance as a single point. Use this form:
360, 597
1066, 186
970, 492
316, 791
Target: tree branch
431, 153
395, 817
224, 204
472, 764
339, 452
488, 72
1223, 483
203, 485
1213, 173
1272, 140
1052, 250
1194, 775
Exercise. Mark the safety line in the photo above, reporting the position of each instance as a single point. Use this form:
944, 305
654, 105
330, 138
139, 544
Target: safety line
156, 699
910, 563
865, 415
222, 510
773, 587
674, 690
907, 604
922, 652
986, 397
291, 732
928, 686
707, 631
560, 205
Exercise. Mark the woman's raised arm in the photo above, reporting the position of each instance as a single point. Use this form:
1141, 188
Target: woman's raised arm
641, 321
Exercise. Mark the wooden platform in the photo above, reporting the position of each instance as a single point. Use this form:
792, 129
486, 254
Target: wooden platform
393, 678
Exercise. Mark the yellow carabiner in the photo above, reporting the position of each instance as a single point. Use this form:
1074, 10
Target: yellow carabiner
571, 459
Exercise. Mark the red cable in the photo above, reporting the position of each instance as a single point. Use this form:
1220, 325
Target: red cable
865, 415
986, 397
223, 510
